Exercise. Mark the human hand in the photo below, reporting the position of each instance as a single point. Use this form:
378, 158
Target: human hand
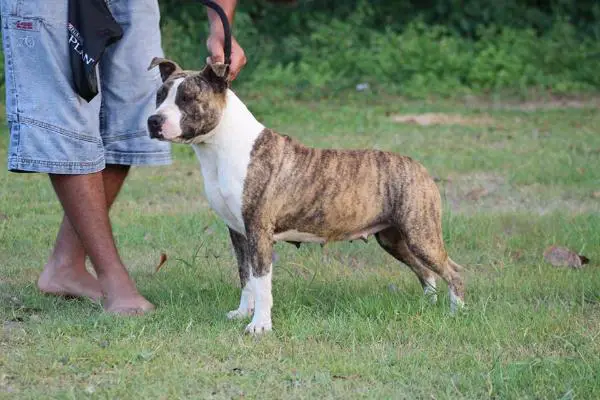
215, 45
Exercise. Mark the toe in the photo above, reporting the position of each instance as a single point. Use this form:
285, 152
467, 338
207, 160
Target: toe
258, 328
129, 306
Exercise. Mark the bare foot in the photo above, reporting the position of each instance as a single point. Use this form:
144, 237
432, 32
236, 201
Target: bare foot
66, 280
121, 297
134, 304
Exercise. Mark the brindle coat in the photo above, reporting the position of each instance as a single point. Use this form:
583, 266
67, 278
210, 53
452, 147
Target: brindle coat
335, 193
332, 194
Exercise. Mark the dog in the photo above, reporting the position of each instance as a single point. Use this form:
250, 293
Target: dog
269, 187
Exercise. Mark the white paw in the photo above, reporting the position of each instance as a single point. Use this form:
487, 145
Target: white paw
456, 303
246, 307
240, 313
256, 327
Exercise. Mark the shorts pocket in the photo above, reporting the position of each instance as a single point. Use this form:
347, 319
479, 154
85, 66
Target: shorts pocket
39, 76
49, 11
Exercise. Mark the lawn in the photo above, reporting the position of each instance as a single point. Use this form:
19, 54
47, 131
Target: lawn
349, 321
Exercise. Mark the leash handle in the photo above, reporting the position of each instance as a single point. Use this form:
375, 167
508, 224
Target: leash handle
226, 27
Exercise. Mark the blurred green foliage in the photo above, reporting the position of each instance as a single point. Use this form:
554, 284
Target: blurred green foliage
434, 47
413, 48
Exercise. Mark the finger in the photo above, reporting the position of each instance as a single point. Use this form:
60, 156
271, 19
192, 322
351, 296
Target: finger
233, 70
216, 51
217, 57
238, 60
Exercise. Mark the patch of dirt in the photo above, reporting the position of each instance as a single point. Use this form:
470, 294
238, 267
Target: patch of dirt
12, 333
471, 193
443, 119
553, 103
11, 326
5, 381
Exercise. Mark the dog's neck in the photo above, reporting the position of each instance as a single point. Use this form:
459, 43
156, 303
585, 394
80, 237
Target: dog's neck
237, 130
224, 157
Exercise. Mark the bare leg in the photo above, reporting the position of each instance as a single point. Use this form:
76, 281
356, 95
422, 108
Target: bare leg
84, 200
64, 273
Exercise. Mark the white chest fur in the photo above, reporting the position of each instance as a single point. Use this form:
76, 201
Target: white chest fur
224, 158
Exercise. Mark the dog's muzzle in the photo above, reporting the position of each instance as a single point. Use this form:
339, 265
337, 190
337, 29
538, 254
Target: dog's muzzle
155, 123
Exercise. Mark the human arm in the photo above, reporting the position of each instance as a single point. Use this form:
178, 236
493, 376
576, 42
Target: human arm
216, 39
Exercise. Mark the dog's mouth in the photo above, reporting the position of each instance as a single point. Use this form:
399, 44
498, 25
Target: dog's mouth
155, 125
158, 128
179, 139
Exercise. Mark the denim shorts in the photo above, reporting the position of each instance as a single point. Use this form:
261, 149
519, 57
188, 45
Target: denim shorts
52, 129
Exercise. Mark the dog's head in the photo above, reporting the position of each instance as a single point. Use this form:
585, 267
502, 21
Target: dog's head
189, 104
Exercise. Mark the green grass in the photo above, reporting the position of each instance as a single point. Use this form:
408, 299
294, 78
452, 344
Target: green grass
349, 321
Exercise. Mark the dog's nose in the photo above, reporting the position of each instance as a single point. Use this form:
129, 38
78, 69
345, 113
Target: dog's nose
155, 123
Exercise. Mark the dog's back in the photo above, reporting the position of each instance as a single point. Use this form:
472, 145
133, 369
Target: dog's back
334, 193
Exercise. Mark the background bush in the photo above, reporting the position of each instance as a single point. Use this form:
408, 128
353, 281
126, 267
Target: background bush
412, 48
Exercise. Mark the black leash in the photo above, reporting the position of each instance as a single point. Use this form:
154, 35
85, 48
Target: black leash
226, 28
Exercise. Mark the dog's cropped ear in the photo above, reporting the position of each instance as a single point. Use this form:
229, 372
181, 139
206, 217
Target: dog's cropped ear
166, 67
221, 70
217, 73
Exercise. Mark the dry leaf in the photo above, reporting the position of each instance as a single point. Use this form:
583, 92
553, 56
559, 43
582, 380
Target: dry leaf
596, 194
563, 257
163, 259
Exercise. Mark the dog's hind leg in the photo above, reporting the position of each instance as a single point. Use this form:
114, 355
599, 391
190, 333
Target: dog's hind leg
430, 251
392, 241
240, 246
418, 217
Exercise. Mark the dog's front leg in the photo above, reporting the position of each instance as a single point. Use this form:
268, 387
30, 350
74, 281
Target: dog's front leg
240, 246
260, 248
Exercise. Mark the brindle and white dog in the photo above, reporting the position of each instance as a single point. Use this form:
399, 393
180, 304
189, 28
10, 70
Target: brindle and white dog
268, 187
